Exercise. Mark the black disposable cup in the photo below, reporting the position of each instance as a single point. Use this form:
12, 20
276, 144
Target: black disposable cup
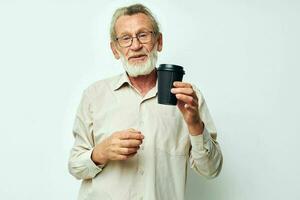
167, 74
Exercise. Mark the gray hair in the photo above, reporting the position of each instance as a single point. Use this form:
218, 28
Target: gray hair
132, 10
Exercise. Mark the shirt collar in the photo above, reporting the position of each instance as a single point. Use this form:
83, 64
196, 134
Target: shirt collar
153, 92
125, 80
121, 81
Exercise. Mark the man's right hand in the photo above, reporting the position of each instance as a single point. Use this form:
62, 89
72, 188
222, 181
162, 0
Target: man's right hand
121, 145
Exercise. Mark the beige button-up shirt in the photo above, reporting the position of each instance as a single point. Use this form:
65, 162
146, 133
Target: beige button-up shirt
158, 170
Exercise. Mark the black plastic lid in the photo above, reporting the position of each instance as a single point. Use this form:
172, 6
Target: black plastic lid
171, 67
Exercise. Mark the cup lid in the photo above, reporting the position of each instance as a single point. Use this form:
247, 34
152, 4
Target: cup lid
171, 67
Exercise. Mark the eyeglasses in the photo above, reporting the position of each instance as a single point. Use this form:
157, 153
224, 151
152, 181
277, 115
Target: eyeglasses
142, 37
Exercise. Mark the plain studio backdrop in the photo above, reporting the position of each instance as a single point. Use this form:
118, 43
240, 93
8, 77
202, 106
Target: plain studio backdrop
243, 55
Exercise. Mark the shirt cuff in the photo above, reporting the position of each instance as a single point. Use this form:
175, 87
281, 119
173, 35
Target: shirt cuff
197, 141
95, 169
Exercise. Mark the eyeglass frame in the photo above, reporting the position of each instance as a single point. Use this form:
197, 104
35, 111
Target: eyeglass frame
131, 41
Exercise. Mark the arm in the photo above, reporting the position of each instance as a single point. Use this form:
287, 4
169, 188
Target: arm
80, 163
87, 158
205, 154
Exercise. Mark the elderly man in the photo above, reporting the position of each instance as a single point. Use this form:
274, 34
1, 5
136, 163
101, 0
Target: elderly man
127, 146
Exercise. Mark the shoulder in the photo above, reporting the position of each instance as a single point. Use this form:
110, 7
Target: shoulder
102, 85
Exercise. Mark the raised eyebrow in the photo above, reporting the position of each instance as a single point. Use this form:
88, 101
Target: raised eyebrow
125, 34
143, 30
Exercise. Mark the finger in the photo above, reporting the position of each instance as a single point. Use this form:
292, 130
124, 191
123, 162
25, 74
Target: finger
189, 107
187, 99
133, 130
187, 91
183, 106
130, 143
126, 151
182, 84
185, 88
130, 135
123, 157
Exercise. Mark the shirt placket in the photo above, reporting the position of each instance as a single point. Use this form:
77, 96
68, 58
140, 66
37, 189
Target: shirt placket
141, 154
141, 126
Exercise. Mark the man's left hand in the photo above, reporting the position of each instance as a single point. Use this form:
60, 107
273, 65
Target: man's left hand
187, 102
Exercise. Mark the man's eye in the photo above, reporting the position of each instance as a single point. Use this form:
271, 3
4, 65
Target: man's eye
126, 38
142, 35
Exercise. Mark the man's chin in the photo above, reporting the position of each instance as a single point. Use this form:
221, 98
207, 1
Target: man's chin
136, 73
137, 63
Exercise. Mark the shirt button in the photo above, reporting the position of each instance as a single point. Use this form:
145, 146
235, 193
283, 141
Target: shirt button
141, 171
142, 147
141, 198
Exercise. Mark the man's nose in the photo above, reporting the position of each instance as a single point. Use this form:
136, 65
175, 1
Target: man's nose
136, 45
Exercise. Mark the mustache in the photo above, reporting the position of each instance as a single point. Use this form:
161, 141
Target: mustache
137, 55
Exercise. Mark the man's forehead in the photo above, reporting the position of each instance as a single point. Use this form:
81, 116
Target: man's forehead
132, 23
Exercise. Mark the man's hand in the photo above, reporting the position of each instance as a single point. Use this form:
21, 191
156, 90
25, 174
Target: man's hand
188, 105
121, 145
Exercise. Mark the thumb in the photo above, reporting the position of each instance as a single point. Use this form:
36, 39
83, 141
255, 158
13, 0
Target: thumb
132, 130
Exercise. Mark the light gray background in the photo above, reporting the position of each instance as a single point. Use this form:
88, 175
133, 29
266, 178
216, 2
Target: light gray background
243, 55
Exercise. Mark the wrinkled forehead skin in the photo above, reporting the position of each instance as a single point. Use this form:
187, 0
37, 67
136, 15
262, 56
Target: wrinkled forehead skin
132, 24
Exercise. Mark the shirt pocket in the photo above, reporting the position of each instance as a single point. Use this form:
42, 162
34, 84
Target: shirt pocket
171, 137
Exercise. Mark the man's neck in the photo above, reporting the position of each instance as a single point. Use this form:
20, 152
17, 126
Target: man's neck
144, 83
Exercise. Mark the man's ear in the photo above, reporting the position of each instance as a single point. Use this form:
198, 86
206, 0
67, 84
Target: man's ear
114, 50
159, 42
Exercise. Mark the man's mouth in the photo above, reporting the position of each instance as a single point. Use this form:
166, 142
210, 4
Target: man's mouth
140, 57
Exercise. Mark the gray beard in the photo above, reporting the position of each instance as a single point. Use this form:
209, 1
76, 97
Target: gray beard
140, 69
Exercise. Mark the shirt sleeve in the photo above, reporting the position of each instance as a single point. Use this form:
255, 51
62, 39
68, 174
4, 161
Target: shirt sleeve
80, 163
205, 154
